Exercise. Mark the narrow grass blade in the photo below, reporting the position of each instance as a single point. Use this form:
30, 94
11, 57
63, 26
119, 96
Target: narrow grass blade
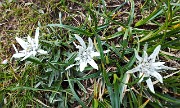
153, 15
123, 86
167, 98
71, 28
74, 93
144, 104
81, 86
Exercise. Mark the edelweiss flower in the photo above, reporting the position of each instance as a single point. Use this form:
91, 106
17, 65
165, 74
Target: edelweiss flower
30, 48
147, 67
85, 54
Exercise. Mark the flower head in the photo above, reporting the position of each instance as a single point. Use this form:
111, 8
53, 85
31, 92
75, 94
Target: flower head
30, 48
147, 67
85, 54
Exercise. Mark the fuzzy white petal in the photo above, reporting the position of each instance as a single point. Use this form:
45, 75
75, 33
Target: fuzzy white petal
136, 69
150, 85
106, 51
77, 46
18, 55
145, 56
77, 58
167, 68
28, 55
93, 64
81, 41
137, 56
41, 51
94, 54
157, 76
82, 65
152, 57
23, 51
22, 43
155, 64
15, 48
29, 39
37, 37
90, 46
34, 53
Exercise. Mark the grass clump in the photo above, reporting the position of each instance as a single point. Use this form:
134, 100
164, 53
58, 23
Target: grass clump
121, 27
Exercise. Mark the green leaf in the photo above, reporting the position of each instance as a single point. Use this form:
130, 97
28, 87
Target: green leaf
144, 104
71, 28
131, 13
52, 66
167, 98
100, 49
34, 60
158, 35
123, 86
94, 75
81, 86
34, 89
116, 93
74, 93
95, 103
134, 99
112, 97
153, 15
115, 35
